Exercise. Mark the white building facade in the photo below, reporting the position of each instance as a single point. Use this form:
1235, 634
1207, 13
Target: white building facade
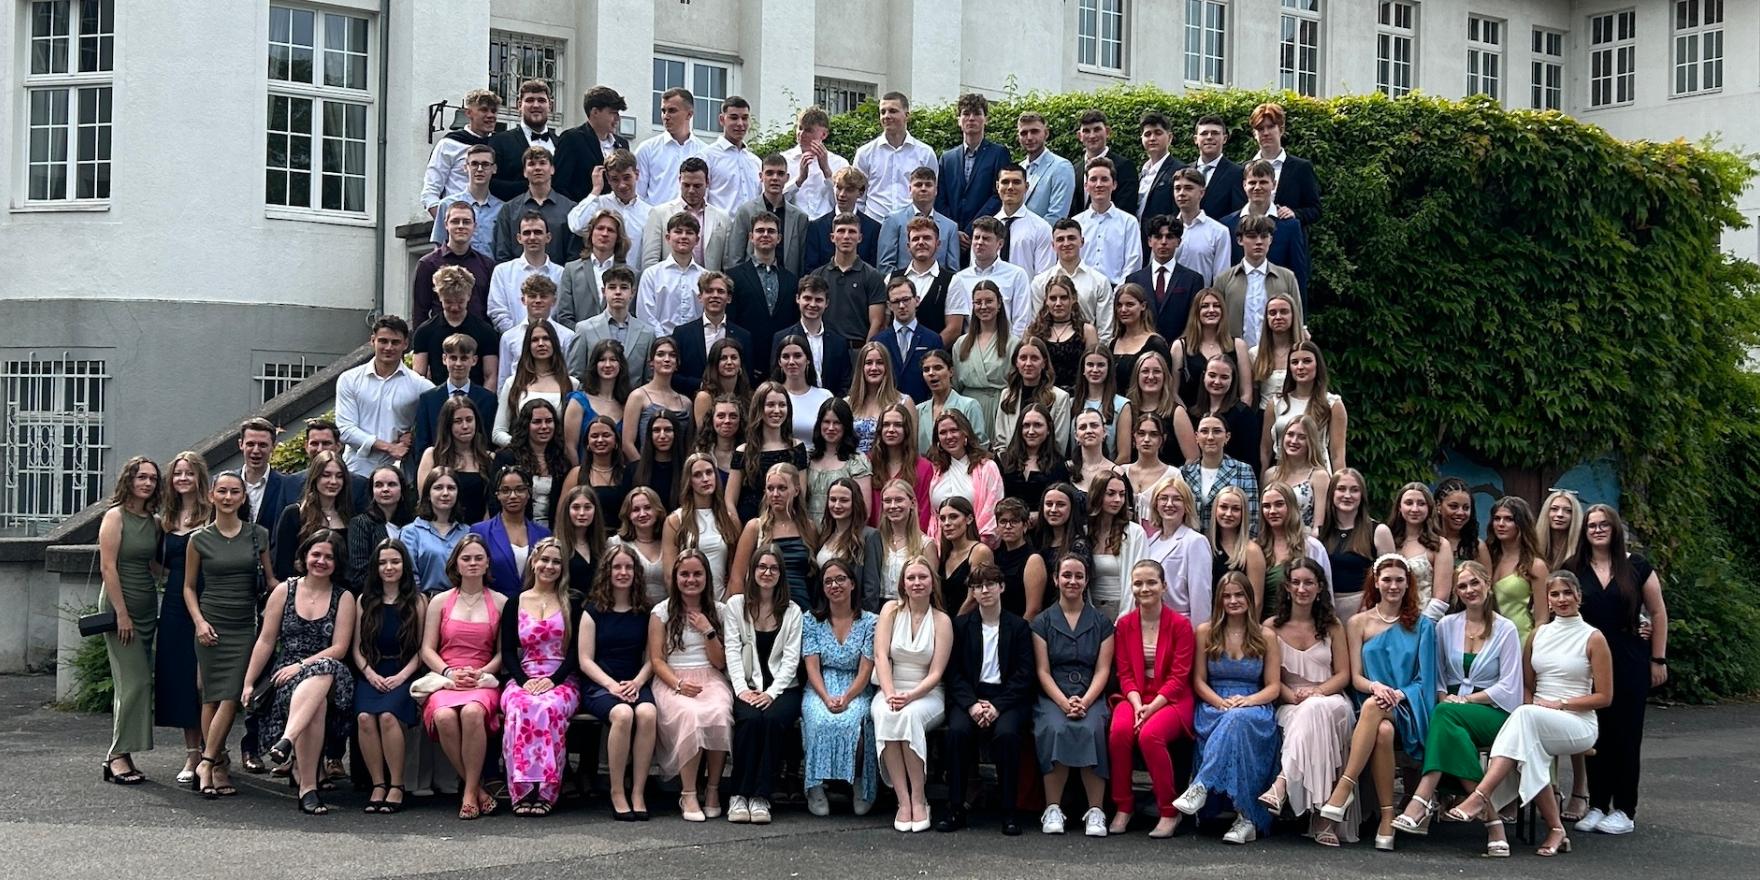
201, 198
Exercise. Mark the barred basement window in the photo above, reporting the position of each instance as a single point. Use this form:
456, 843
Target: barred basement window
52, 462
280, 377
836, 96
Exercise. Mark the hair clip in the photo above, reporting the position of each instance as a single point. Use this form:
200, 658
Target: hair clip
1571, 492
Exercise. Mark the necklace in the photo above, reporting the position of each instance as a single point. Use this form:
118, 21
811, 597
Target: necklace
1385, 619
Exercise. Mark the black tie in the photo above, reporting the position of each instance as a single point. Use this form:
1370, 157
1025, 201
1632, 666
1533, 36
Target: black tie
540, 136
1007, 235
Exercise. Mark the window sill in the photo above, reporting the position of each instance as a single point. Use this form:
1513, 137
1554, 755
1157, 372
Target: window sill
1702, 93
1622, 105
306, 215
74, 206
1113, 72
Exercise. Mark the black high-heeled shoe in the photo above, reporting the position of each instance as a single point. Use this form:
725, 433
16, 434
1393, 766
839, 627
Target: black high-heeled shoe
131, 776
312, 805
207, 791
282, 751
391, 806
374, 804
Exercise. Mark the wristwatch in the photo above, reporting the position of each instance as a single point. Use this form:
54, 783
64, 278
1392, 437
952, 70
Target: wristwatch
1659, 661
712, 635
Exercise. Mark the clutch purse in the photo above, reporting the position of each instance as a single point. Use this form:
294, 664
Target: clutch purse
97, 623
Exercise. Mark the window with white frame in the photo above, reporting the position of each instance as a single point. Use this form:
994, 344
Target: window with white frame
1100, 34
67, 88
1485, 56
1613, 58
52, 462
708, 82
1298, 55
1698, 46
320, 97
836, 96
279, 377
1207, 42
515, 58
1548, 70
1396, 38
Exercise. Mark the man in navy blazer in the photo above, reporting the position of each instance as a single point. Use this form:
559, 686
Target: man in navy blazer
907, 340
1157, 199
1289, 244
580, 151
714, 291
1171, 287
427, 420
1222, 176
752, 310
968, 172
848, 185
256, 442
832, 370
1298, 190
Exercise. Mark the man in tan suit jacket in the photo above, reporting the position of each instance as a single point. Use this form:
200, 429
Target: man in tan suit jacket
1237, 281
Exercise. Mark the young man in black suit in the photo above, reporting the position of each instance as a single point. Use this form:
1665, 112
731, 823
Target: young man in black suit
1298, 190
694, 338
848, 185
1171, 286
763, 294
510, 146
829, 349
1093, 131
906, 339
581, 151
1155, 184
265, 487
1222, 176
459, 354
998, 706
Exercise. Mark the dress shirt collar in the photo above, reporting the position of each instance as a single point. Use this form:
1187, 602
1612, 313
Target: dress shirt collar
530, 132
1170, 265
931, 273
1275, 160
452, 389
723, 143
905, 331
1261, 269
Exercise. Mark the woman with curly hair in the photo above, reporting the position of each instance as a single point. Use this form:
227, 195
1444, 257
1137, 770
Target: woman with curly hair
694, 701
535, 449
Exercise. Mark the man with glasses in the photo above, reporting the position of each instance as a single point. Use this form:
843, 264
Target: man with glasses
764, 288
447, 175
990, 693
479, 166
791, 221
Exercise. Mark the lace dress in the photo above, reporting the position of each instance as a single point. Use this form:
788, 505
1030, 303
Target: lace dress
300, 639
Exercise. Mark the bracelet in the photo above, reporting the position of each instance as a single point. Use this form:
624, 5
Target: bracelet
446, 673
1659, 661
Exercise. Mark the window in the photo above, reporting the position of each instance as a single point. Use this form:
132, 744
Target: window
1613, 58
67, 91
319, 97
1548, 70
1298, 64
1206, 42
278, 378
1485, 57
708, 82
52, 462
1100, 34
836, 96
1396, 34
515, 58
1698, 46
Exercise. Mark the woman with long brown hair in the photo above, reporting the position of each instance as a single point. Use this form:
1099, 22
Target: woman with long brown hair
540, 374
763, 660
982, 354
604, 386
896, 456
462, 447
128, 544
176, 695
326, 502
459, 642
388, 652
613, 644
1315, 716
539, 651
694, 702
1030, 380
702, 522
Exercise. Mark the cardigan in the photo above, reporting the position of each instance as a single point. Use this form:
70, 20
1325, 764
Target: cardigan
742, 649
512, 671
1497, 669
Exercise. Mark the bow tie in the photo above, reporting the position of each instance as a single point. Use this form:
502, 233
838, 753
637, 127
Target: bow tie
540, 136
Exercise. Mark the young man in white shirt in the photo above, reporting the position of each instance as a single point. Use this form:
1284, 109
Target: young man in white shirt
812, 165
1112, 238
987, 264
447, 174
1051, 179
667, 295
622, 176
1095, 133
538, 297
658, 157
1204, 247
510, 277
1155, 183
376, 401
1027, 243
889, 159
733, 167
1093, 289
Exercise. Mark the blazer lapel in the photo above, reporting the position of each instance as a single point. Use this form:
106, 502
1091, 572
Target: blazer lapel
1163, 644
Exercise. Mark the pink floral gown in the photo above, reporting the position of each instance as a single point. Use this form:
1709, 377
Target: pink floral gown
535, 735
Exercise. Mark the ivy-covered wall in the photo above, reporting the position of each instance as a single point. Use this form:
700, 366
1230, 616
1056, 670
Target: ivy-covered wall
1524, 288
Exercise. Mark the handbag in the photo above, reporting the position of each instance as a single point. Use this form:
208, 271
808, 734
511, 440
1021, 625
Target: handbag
423, 688
97, 623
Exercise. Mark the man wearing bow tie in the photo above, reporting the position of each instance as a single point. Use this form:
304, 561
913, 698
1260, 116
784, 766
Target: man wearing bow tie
511, 145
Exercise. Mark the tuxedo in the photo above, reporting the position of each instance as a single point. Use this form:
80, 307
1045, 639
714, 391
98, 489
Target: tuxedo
578, 152
693, 353
1183, 285
749, 311
1124, 178
834, 372
966, 199
907, 357
510, 163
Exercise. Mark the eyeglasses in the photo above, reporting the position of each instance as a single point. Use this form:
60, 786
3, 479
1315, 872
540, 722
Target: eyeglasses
986, 585
769, 567
479, 165
513, 490
837, 580
1598, 527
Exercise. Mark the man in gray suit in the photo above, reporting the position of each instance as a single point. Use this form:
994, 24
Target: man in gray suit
693, 196
615, 322
772, 180
577, 296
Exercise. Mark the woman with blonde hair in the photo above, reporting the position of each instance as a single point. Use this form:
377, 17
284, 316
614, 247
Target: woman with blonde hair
1559, 527
1231, 539
981, 355
1304, 381
642, 517
912, 643
1282, 331
871, 392
702, 522
176, 695
1183, 552
128, 546
1152, 391
901, 535
783, 525
541, 656
1301, 467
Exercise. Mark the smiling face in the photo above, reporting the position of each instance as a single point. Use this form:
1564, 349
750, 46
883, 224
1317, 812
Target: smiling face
330, 479
145, 483
443, 493
547, 566
1147, 587
690, 577
1151, 374
896, 504
184, 478
1129, 309
1295, 441
792, 358
1054, 509
1471, 589
775, 409
767, 570
1170, 507
1034, 429
950, 438
601, 439
542, 427
1228, 511
840, 502
1599, 528
1302, 366
1347, 493
1072, 580
985, 306
1559, 514
892, 428
1391, 581
1114, 496
874, 367
1274, 509
918, 581
390, 567
623, 572
1414, 508
838, 586
1562, 599
321, 559
953, 521
1457, 511
729, 365
1302, 585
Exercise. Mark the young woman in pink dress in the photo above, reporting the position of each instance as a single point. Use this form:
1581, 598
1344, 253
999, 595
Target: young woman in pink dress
458, 641
539, 650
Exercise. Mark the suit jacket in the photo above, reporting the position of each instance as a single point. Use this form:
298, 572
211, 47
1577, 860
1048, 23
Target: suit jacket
1225, 193
1124, 174
835, 376
636, 343
750, 312
1289, 249
693, 355
1298, 189
577, 154
816, 251
578, 297
510, 167
894, 252
1182, 286
1160, 197
654, 234
1014, 659
907, 357
1232, 284
965, 199
427, 423
275, 497
504, 572
1171, 674
794, 235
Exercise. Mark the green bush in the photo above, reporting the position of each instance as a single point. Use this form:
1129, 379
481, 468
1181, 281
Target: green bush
92, 687
1526, 289
289, 456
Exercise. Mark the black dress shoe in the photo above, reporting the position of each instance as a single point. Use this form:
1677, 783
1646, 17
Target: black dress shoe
1011, 826
953, 821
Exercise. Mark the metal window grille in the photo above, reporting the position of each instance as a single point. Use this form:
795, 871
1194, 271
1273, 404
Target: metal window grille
515, 58
836, 96
52, 464
280, 377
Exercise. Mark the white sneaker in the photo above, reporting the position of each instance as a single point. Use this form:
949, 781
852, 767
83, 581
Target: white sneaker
817, 803
1590, 819
859, 805
1095, 822
1192, 800
1617, 822
1241, 831
739, 810
760, 811
1051, 821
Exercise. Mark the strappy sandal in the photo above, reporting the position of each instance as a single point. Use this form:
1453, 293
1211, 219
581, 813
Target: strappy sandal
376, 805
1496, 849
1327, 836
1273, 799
131, 776
206, 790
313, 805
469, 810
1569, 816
539, 809
392, 806
1459, 813
1419, 827
1562, 846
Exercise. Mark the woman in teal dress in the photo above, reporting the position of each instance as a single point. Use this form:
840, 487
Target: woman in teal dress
837, 644
128, 547
230, 559
1393, 669
983, 355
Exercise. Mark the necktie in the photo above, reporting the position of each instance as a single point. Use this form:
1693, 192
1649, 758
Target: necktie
1161, 286
1007, 235
1209, 170
458, 392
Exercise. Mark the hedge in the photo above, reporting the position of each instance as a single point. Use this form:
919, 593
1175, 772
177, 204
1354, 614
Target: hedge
1526, 289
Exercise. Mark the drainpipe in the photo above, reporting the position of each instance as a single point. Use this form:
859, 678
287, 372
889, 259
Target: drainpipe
380, 224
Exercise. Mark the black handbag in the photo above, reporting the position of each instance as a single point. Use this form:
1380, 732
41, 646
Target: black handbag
97, 623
